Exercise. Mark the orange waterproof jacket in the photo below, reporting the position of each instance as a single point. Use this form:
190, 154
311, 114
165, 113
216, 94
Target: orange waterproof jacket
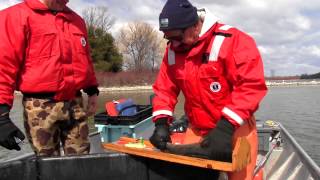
42, 51
222, 75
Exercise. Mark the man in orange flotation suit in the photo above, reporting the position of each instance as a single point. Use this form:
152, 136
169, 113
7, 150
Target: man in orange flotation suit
219, 70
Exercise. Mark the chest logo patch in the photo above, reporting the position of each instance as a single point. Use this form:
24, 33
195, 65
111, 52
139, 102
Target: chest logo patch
83, 41
215, 87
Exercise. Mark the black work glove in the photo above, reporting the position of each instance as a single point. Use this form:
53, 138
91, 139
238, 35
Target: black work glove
161, 134
219, 141
217, 145
9, 131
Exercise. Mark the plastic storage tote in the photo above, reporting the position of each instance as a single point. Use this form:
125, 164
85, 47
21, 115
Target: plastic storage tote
143, 112
111, 133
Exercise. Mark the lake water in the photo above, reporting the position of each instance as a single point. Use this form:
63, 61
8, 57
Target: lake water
297, 108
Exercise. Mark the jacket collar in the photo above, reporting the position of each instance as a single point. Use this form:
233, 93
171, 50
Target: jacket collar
209, 21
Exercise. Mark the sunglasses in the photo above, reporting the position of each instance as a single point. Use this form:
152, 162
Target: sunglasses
176, 35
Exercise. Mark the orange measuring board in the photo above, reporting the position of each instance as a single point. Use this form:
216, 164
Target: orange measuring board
240, 155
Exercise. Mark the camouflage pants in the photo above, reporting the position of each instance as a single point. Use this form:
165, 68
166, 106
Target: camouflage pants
49, 123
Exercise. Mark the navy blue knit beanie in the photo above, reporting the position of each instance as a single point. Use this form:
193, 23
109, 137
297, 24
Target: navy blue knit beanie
177, 14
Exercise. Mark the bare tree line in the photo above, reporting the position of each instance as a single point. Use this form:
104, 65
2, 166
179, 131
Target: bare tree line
98, 17
140, 44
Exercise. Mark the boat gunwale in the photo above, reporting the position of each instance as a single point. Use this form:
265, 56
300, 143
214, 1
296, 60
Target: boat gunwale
310, 164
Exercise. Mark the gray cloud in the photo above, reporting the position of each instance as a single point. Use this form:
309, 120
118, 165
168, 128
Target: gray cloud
7, 3
286, 31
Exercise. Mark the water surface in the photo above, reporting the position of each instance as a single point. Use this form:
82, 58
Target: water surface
297, 108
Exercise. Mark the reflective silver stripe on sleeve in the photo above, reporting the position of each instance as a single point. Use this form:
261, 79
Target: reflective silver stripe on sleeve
171, 57
232, 115
164, 112
216, 45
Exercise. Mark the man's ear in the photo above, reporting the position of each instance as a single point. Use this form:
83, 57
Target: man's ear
198, 26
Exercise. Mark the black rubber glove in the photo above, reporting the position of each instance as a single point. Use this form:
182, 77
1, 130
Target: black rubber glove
219, 141
161, 134
8, 131
217, 145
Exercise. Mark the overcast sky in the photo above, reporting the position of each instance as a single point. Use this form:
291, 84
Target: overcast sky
286, 31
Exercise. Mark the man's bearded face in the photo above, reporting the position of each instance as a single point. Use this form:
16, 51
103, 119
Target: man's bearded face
57, 5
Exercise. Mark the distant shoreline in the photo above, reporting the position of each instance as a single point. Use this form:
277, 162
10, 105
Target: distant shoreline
126, 88
294, 83
280, 83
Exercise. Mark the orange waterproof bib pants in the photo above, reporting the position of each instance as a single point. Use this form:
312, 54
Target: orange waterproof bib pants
249, 131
